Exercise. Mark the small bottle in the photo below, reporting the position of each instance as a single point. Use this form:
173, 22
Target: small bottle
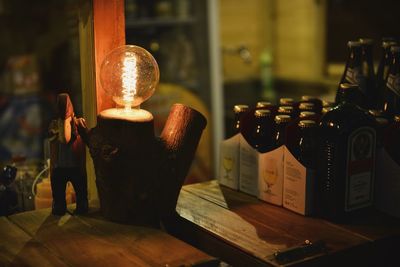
281, 121
391, 102
383, 69
353, 72
308, 144
239, 111
346, 169
262, 137
315, 100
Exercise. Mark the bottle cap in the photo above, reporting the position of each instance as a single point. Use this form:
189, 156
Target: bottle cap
366, 41
240, 108
306, 106
382, 121
260, 113
286, 101
326, 103
307, 124
304, 114
353, 44
309, 98
395, 49
263, 104
282, 118
388, 44
326, 110
285, 109
345, 86
375, 112
397, 118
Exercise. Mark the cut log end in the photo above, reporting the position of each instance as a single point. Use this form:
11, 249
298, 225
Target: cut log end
133, 115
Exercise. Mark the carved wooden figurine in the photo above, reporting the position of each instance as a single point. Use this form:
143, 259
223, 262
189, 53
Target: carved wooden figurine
67, 157
139, 176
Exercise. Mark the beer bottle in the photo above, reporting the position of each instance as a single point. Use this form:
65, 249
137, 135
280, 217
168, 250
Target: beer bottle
262, 137
350, 93
239, 111
383, 69
368, 83
353, 72
281, 121
391, 141
308, 144
346, 169
391, 103
315, 100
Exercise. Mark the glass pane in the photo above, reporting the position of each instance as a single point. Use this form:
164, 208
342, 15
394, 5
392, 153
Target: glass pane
39, 58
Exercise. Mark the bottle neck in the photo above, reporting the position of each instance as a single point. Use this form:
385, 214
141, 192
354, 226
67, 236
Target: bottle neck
395, 64
354, 57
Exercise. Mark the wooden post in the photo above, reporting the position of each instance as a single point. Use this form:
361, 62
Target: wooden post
101, 29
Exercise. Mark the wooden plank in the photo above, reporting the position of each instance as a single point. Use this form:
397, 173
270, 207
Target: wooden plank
256, 239
17, 248
297, 226
86, 241
109, 33
151, 244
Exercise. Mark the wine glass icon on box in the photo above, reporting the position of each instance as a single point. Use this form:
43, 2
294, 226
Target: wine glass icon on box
227, 163
270, 173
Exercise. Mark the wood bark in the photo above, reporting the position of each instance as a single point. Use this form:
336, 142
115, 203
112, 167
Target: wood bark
138, 175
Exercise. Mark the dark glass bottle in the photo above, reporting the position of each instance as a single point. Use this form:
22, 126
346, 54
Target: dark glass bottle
353, 73
347, 143
315, 100
281, 121
350, 93
262, 137
383, 70
368, 83
391, 103
239, 111
308, 144
391, 141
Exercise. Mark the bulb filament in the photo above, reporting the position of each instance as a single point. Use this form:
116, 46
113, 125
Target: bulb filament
129, 80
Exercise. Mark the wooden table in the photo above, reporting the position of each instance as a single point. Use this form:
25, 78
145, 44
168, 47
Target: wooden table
40, 239
244, 231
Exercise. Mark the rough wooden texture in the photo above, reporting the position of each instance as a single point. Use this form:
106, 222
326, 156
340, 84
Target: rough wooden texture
139, 176
241, 222
41, 239
109, 33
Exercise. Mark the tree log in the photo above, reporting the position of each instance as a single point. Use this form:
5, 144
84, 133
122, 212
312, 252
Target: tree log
139, 176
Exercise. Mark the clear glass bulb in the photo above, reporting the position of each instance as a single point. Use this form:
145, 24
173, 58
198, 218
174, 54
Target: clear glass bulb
130, 75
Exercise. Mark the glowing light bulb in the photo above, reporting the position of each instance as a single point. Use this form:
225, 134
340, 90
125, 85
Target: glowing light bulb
130, 75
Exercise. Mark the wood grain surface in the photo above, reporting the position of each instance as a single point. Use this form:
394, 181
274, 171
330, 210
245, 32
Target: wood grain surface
40, 239
260, 229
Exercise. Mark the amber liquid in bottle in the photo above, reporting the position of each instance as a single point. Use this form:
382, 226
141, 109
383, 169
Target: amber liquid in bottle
346, 167
262, 137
